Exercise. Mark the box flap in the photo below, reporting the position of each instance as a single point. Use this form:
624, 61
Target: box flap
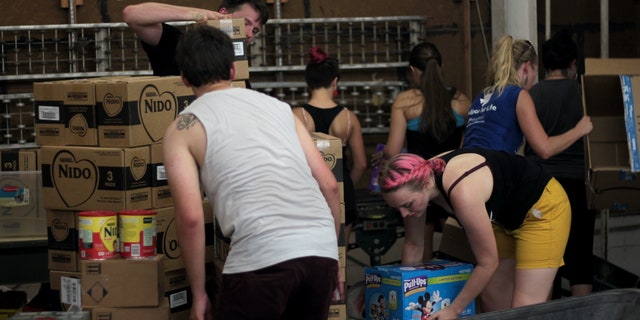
596, 66
626, 82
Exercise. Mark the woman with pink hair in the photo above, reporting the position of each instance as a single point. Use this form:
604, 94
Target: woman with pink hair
515, 215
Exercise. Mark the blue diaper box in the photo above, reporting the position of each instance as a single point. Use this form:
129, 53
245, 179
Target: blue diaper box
397, 292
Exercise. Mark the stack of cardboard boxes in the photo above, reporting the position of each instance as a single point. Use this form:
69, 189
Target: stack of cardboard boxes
101, 149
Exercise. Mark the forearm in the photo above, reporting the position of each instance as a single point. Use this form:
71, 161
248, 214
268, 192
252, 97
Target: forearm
332, 196
356, 173
475, 284
192, 244
558, 143
150, 13
412, 253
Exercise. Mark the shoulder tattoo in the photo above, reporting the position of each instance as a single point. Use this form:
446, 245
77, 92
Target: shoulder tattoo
186, 121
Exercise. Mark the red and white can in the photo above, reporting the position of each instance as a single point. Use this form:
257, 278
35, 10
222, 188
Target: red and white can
137, 233
98, 234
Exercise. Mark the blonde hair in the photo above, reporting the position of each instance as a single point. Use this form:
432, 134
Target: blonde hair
507, 57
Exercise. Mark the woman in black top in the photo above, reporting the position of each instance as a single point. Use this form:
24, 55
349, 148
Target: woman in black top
515, 215
323, 114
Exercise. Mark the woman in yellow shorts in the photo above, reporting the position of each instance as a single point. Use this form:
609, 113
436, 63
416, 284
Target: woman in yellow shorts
515, 215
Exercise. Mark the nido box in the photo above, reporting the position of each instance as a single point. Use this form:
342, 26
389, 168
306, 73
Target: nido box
136, 111
413, 292
87, 178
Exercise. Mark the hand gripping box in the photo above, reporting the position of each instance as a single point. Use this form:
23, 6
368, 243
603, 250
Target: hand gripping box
611, 97
397, 292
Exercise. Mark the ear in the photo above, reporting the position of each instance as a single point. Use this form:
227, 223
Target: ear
223, 10
334, 83
185, 81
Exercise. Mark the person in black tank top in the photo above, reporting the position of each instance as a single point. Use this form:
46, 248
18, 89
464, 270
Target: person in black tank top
515, 215
322, 114
429, 117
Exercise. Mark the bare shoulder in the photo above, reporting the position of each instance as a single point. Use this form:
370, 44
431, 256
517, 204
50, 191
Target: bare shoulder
461, 164
185, 122
409, 102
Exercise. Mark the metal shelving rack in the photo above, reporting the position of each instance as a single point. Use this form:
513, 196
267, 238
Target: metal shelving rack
371, 51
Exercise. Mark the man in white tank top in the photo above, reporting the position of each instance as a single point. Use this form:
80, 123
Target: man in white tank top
271, 190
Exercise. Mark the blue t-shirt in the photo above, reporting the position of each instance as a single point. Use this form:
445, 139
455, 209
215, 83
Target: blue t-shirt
492, 122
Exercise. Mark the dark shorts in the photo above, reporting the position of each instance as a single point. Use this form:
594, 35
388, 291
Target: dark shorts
296, 289
578, 257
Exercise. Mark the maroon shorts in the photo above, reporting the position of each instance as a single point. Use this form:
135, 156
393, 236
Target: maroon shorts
296, 289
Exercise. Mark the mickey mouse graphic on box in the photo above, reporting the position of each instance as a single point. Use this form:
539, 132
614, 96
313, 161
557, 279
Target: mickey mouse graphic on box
397, 292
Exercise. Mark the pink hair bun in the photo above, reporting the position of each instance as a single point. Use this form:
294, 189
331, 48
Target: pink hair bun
317, 55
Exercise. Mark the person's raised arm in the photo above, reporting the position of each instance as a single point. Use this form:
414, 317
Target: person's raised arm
535, 135
145, 19
182, 174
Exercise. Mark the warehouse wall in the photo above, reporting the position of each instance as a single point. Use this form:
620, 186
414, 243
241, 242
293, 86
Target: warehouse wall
445, 26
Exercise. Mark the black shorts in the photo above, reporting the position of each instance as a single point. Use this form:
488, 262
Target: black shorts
295, 289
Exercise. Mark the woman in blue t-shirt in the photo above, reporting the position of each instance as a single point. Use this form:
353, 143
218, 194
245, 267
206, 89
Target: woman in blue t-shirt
504, 116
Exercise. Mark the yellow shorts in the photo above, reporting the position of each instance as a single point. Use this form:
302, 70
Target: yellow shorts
541, 239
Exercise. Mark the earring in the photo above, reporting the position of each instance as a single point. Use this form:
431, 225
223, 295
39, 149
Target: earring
335, 93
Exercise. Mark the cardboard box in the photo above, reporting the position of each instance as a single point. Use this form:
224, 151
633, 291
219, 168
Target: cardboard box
89, 178
160, 192
122, 282
610, 88
338, 312
395, 291
454, 243
167, 238
20, 187
62, 240
25, 159
66, 111
79, 113
49, 123
57, 315
222, 244
136, 111
331, 149
56, 276
149, 313
235, 29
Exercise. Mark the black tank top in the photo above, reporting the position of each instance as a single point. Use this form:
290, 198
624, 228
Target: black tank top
322, 118
518, 183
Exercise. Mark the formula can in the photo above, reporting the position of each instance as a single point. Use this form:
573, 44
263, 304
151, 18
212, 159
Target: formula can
137, 233
98, 234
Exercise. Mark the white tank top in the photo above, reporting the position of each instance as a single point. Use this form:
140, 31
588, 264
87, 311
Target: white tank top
257, 178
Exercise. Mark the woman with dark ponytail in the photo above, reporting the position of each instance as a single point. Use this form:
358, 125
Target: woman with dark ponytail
322, 114
515, 215
430, 116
